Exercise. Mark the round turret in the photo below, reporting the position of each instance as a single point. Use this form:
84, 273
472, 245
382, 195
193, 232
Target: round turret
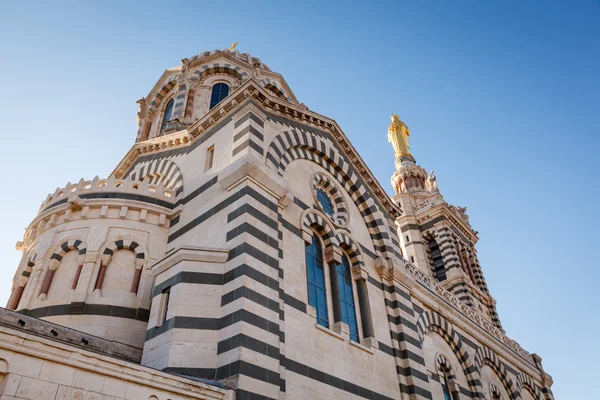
86, 255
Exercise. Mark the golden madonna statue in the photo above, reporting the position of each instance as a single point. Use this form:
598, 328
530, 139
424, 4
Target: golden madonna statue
398, 134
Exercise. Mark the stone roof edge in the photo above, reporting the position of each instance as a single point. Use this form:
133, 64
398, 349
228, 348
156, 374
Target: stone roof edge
444, 208
111, 364
252, 89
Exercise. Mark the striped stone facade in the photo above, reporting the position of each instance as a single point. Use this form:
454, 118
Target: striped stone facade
200, 236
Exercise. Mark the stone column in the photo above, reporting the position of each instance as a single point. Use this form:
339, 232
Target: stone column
16, 298
48, 278
136, 277
365, 308
333, 257
77, 275
100, 279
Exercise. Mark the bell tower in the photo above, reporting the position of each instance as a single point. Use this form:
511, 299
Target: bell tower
435, 236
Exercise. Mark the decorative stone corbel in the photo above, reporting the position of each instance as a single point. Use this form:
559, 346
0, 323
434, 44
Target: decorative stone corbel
53, 264
250, 166
19, 246
393, 270
22, 280
359, 273
75, 202
332, 254
286, 200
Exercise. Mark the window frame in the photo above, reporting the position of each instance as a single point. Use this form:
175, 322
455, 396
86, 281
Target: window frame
212, 89
354, 293
210, 158
323, 320
163, 121
165, 297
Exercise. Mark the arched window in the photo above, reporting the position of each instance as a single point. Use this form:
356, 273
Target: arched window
167, 115
344, 279
445, 386
317, 296
219, 92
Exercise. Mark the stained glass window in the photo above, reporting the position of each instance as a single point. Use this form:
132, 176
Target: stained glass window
167, 115
347, 297
317, 296
219, 92
325, 202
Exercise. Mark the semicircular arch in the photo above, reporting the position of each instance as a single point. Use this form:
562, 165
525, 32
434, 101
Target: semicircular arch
205, 71
66, 246
130, 244
313, 220
161, 94
159, 171
430, 321
346, 243
524, 382
298, 144
485, 356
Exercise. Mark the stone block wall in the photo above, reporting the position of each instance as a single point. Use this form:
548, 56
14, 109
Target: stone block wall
44, 366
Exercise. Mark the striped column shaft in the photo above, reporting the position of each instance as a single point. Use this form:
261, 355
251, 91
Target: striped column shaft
248, 134
410, 364
479, 279
462, 292
180, 102
250, 346
394, 239
448, 249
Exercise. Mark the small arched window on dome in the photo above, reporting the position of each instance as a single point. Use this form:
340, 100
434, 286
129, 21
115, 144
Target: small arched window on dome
167, 114
219, 92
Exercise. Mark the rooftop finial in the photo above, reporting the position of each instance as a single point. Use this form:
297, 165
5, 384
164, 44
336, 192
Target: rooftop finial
232, 48
398, 134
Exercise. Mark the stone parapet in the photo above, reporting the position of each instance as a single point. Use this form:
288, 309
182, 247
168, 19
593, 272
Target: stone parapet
119, 188
73, 337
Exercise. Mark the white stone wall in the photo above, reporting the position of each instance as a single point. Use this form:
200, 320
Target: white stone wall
96, 232
36, 368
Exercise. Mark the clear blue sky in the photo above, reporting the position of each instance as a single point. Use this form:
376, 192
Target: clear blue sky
502, 99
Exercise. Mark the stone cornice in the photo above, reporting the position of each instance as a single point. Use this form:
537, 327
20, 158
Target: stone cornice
434, 211
155, 145
229, 106
192, 254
